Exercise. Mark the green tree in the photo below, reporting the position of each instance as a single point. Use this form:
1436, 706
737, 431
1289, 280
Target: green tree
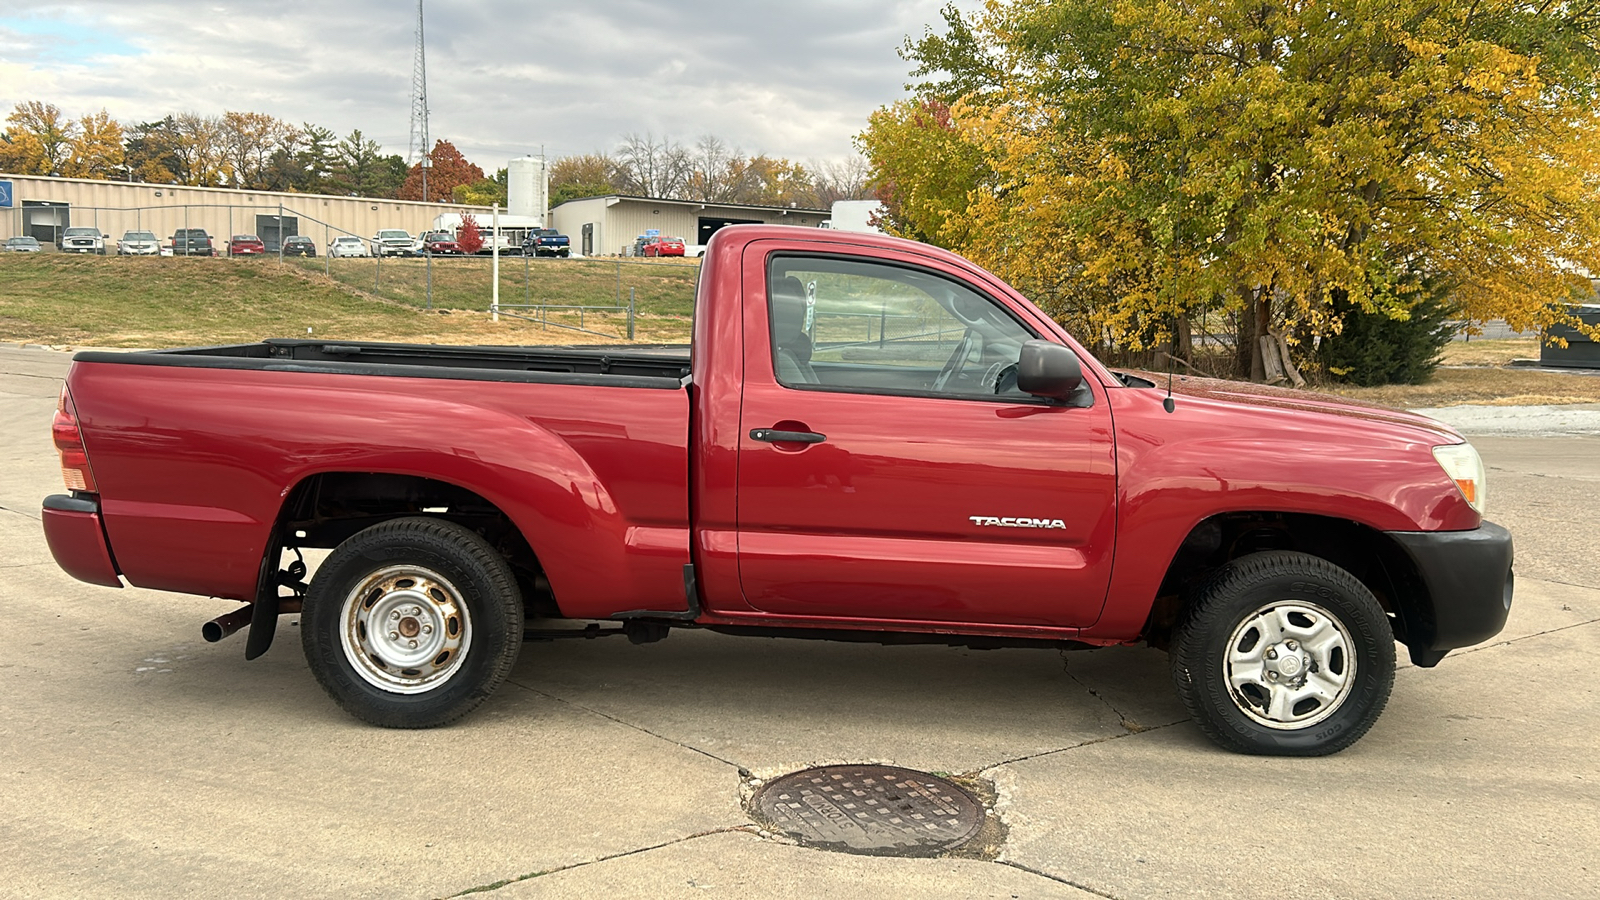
1145, 165
483, 192
584, 175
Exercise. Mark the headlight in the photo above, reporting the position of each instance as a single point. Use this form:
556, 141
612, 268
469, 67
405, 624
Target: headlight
1462, 463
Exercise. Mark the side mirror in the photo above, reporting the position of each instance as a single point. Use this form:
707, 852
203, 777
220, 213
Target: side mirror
1048, 370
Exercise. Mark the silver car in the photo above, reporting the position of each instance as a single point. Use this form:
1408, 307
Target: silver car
139, 243
347, 245
22, 244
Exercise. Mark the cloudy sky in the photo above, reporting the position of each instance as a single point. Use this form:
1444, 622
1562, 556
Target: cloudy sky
792, 79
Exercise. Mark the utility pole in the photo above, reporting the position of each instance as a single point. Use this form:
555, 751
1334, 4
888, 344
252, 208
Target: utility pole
419, 106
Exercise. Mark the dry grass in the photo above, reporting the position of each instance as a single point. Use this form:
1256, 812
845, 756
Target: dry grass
165, 302
1482, 352
1483, 386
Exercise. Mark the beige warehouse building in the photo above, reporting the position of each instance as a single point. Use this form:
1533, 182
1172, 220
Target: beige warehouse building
42, 207
605, 226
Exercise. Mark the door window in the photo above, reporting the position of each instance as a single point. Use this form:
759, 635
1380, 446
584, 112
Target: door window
853, 326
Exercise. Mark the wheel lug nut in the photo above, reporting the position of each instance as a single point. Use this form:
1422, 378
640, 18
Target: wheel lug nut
1272, 676
413, 645
395, 615
1292, 645
427, 629
1272, 654
394, 635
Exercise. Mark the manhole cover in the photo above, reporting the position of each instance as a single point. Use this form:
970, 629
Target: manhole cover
876, 810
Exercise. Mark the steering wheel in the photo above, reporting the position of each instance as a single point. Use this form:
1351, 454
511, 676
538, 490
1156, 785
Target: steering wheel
953, 365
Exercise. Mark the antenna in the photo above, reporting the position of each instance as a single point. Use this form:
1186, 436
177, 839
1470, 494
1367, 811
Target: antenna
419, 107
1168, 403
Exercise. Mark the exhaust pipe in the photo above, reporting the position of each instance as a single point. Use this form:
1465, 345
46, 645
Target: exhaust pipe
227, 623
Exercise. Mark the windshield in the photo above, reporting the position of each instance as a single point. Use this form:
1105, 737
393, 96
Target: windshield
139, 236
81, 232
391, 235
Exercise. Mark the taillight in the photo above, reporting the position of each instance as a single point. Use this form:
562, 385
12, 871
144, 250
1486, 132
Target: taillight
69, 443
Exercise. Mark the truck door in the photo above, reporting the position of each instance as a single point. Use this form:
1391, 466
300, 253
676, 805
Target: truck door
888, 467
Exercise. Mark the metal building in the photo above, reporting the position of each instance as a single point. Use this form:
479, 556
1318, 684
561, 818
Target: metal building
42, 207
606, 226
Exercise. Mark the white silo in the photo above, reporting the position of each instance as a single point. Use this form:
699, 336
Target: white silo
527, 187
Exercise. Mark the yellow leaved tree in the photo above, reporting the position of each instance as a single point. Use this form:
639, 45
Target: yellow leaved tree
1146, 167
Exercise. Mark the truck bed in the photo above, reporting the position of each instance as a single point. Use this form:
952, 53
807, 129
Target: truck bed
626, 366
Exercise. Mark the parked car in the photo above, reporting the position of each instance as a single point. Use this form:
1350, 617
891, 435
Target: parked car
84, 240
977, 478
246, 245
546, 242
348, 245
663, 246
299, 245
439, 243
394, 242
138, 243
22, 244
192, 242
490, 239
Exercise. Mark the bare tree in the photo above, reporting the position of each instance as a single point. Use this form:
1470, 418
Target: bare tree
653, 168
712, 170
841, 180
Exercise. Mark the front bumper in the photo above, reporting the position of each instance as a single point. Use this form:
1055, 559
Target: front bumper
77, 540
1467, 579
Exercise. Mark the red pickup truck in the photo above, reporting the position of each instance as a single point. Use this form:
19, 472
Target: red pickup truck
869, 439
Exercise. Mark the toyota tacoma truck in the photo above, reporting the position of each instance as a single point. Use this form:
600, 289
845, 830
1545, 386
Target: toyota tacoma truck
869, 439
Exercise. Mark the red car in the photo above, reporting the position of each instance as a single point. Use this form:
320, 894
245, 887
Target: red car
440, 243
974, 478
663, 246
246, 245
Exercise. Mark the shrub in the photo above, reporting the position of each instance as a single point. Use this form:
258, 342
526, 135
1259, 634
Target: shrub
1374, 349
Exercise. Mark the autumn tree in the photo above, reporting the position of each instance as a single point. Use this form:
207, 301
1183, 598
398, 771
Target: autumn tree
1144, 166
200, 149
97, 149
37, 140
447, 170
469, 238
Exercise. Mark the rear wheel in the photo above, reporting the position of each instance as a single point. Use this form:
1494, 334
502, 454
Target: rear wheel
412, 623
1283, 654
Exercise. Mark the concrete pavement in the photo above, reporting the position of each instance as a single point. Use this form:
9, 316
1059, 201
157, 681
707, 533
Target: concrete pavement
136, 761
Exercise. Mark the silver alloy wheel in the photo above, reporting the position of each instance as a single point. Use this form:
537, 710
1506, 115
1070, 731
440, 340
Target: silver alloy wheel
1289, 665
405, 629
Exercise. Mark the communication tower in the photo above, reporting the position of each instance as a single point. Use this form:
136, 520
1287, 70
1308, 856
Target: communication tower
419, 107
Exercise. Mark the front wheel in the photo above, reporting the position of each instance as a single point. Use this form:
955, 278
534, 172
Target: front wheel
1283, 654
412, 623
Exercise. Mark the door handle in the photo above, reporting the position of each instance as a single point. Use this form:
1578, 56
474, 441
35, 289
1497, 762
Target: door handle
772, 436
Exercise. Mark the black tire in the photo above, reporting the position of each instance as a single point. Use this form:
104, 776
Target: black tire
461, 610
1318, 634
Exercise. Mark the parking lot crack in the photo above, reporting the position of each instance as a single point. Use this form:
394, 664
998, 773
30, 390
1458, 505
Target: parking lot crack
494, 886
1132, 726
1057, 879
18, 512
625, 723
1517, 640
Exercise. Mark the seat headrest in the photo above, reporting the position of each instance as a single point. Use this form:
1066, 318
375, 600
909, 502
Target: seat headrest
788, 309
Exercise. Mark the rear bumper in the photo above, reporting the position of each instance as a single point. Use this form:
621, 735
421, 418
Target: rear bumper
77, 540
1469, 582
